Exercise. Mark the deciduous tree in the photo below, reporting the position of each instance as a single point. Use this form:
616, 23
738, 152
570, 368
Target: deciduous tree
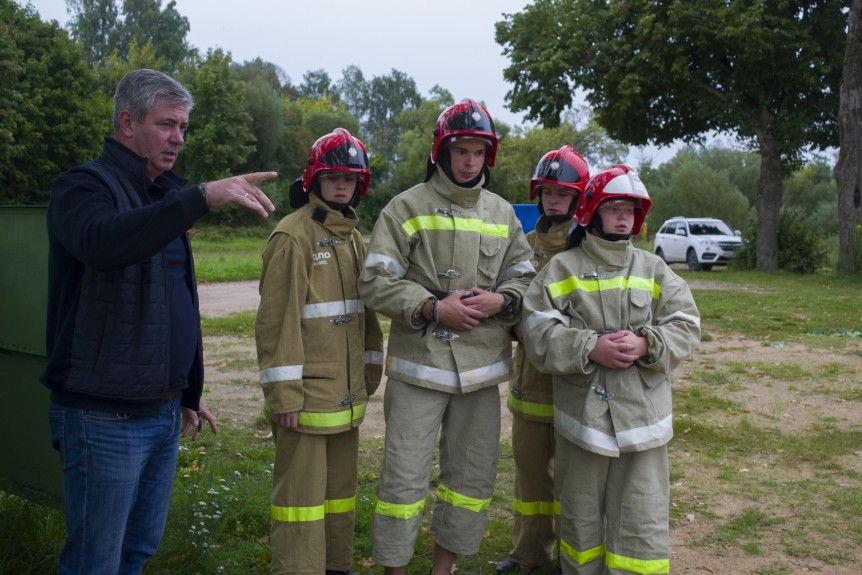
51, 115
166, 28
654, 72
220, 138
848, 171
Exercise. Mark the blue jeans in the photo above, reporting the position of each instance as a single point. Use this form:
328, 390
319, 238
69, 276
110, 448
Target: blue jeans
118, 473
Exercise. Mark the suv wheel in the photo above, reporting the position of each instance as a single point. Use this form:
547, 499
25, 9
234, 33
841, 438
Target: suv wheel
691, 260
660, 253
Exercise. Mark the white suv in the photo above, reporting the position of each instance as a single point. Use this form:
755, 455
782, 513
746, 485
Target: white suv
699, 242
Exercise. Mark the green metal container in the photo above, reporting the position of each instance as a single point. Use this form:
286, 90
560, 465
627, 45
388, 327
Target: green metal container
29, 466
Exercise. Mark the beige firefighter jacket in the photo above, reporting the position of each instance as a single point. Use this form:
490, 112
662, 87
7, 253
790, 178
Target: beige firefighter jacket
599, 287
531, 394
320, 350
438, 236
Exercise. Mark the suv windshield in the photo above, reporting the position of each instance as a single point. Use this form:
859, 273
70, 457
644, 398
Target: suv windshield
716, 228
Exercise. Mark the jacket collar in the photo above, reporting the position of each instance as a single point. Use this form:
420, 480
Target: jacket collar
463, 197
614, 254
554, 235
341, 223
134, 167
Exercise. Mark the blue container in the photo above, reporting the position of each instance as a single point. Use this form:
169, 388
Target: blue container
528, 214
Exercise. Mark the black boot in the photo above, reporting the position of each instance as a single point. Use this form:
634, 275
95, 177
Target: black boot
507, 566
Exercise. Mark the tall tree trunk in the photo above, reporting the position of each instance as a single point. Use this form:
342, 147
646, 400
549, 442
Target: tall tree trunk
848, 170
769, 193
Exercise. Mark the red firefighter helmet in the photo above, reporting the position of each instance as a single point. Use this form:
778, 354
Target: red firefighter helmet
341, 152
616, 182
466, 119
564, 166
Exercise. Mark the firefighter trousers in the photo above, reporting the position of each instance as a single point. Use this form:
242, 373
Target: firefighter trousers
469, 427
313, 501
534, 536
613, 511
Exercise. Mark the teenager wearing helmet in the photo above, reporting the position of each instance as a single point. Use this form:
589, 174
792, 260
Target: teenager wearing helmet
611, 322
557, 182
448, 263
320, 352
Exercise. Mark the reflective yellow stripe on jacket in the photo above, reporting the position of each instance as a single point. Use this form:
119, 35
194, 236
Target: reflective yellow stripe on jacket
447, 223
572, 283
332, 419
313, 513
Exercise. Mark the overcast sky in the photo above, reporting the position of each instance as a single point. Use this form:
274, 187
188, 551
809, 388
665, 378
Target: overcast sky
445, 42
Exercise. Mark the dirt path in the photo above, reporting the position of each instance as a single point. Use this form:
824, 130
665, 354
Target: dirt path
784, 403
220, 299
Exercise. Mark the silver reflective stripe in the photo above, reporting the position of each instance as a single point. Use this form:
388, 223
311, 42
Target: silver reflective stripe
487, 373
662, 430
587, 435
280, 373
680, 315
374, 357
451, 378
386, 263
538, 317
519, 269
332, 308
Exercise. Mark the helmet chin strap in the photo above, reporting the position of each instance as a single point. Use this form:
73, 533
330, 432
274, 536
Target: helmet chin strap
560, 218
445, 161
597, 229
337, 206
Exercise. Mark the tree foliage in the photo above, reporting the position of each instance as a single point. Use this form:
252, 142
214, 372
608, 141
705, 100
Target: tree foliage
813, 190
388, 96
654, 72
317, 84
94, 26
165, 28
522, 149
220, 137
688, 186
98, 26
51, 115
264, 106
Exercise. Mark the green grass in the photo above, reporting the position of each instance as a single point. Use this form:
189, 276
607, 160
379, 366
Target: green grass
781, 307
225, 261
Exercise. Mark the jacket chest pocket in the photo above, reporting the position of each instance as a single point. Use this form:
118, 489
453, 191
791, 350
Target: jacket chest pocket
491, 251
641, 309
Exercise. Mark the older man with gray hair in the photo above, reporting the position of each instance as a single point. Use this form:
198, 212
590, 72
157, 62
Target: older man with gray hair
125, 360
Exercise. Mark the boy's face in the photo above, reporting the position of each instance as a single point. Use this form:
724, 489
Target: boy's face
618, 216
467, 159
557, 198
337, 186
